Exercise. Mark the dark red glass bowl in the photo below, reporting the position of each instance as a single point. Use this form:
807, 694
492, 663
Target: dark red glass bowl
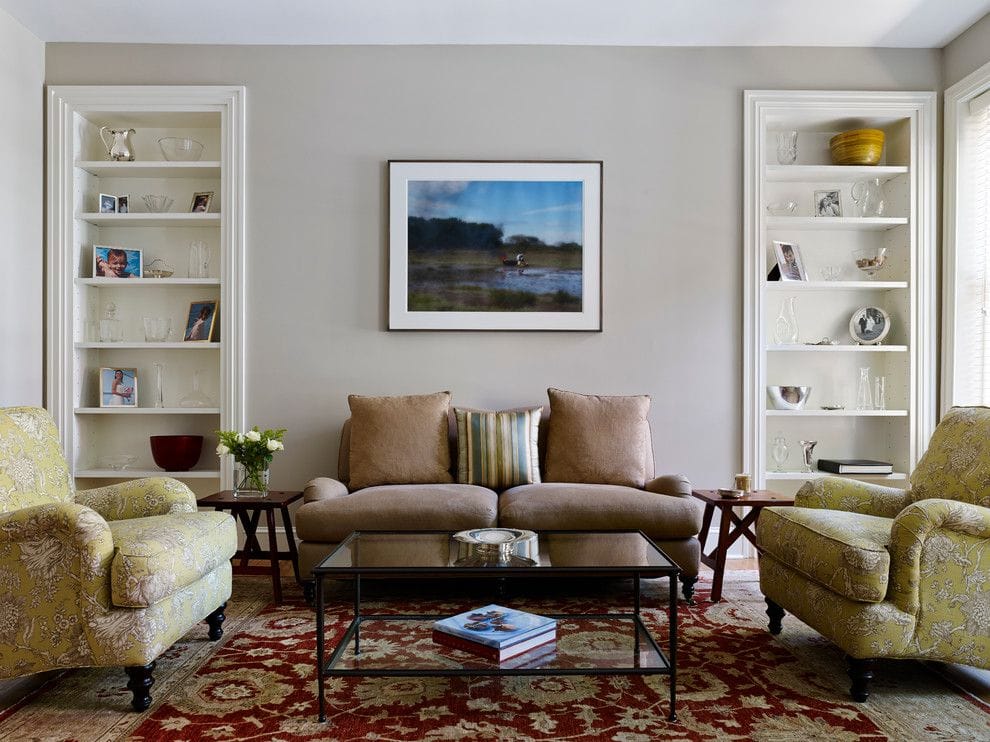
176, 452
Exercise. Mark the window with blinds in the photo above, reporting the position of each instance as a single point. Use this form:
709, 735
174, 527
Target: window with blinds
966, 288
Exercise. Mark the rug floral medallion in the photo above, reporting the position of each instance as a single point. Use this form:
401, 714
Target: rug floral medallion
734, 682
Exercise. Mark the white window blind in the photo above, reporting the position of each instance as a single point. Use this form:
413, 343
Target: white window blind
971, 367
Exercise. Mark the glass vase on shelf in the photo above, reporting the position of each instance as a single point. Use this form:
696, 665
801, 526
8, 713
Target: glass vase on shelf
779, 452
785, 328
159, 385
251, 482
786, 147
864, 400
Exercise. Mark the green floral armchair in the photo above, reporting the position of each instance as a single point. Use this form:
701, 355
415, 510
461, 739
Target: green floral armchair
890, 573
105, 577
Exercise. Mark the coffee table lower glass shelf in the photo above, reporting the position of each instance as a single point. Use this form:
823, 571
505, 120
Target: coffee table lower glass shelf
398, 645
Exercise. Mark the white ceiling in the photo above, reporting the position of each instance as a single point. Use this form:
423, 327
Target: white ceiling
869, 23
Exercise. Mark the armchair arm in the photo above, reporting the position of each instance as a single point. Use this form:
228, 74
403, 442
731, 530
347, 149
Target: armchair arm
323, 488
852, 496
675, 485
139, 498
945, 543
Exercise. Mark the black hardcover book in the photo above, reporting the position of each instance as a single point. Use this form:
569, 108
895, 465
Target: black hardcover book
855, 466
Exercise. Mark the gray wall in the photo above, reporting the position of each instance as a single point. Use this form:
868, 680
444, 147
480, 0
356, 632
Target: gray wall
969, 51
668, 125
22, 75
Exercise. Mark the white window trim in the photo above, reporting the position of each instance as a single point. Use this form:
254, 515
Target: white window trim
957, 100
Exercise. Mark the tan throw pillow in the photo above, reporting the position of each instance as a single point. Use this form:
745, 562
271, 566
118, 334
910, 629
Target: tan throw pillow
399, 440
598, 440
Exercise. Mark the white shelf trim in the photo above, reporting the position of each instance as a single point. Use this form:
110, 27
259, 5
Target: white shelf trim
139, 473
800, 476
831, 173
815, 223
836, 348
151, 346
833, 285
139, 282
145, 219
837, 413
150, 169
147, 410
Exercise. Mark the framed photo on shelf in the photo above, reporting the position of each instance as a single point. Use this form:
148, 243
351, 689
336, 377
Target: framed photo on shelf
202, 323
789, 261
122, 203
118, 387
869, 325
201, 202
108, 203
495, 245
828, 203
116, 262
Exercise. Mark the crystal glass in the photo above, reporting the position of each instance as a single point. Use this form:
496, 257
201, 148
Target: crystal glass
880, 393
157, 329
869, 197
785, 329
831, 273
159, 385
196, 397
786, 147
251, 482
111, 328
864, 399
157, 204
781, 208
870, 260
199, 259
779, 451
180, 149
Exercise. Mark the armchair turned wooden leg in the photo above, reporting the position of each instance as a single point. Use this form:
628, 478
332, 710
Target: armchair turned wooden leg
215, 620
139, 683
861, 673
776, 615
687, 587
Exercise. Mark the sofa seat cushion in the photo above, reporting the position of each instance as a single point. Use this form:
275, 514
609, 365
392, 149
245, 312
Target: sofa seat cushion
845, 552
398, 507
158, 556
599, 507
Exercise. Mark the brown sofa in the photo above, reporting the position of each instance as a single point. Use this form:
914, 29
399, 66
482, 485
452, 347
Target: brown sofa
664, 509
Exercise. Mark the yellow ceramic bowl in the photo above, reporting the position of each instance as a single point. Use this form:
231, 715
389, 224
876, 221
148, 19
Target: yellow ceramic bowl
857, 147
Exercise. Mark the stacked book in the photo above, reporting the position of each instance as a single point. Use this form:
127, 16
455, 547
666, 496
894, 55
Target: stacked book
495, 632
855, 466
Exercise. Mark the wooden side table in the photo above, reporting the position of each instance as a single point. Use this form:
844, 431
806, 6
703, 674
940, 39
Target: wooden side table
248, 510
727, 534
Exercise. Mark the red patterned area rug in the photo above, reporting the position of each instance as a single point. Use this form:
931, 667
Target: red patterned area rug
735, 682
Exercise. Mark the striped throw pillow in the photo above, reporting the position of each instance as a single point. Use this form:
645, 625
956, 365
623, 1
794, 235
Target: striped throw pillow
498, 449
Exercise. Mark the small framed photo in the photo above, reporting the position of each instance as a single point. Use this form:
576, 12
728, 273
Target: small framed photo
122, 203
108, 203
201, 202
116, 262
869, 325
828, 203
789, 261
118, 387
202, 324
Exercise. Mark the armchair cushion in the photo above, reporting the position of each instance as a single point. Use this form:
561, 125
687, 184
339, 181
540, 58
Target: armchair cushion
598, 440
139, 498
157, 556
32, 469
399, 440
956, 465
845, 552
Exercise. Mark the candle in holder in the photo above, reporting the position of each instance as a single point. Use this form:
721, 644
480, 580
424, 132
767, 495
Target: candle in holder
744, 482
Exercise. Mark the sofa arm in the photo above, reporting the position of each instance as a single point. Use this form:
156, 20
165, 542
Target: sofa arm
323, 488
676, 485
938, 541
139, 498
852, 496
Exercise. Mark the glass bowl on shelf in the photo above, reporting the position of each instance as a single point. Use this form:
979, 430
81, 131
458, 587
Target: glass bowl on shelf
781, 208
157, 204
119, 462
870, 260
180, 149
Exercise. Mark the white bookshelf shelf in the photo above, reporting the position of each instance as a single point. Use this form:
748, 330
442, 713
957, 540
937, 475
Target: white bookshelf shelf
837, 348
147, 410
146, 169
150, 346
818, 223
837, 413
142, 282
831, 173
834, 285
138, 473
800, 476
150, 220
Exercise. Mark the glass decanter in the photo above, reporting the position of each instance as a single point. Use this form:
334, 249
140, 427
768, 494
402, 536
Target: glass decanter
864, 399
785, 328
196, 398
779, 451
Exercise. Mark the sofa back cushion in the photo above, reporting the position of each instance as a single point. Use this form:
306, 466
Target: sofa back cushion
398, 440
32, 468
599, 440
956, 465
498, 449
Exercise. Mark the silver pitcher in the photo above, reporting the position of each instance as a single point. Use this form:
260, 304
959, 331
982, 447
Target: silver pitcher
118, 143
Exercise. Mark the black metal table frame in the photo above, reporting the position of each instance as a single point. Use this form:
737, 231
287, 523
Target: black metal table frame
326, 668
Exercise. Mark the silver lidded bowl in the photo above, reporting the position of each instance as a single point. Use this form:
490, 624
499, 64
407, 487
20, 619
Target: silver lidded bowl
496, 547
788, 397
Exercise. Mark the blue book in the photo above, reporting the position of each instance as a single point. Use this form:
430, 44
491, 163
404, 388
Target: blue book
495, 626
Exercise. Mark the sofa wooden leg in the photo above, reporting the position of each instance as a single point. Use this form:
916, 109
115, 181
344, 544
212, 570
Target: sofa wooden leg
687, 587
861, 673
215, 620
776, 614
309, 591
139, 683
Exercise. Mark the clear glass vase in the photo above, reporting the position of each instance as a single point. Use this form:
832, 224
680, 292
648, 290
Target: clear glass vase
250, 482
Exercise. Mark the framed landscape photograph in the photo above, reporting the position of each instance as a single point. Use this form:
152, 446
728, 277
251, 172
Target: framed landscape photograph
479, 245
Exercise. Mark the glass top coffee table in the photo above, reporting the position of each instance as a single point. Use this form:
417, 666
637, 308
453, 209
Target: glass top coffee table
587, 644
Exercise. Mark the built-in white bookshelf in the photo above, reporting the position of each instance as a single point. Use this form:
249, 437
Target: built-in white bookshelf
905, 288
78, 171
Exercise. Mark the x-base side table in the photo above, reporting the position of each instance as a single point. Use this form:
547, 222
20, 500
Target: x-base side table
731, 526
248, 510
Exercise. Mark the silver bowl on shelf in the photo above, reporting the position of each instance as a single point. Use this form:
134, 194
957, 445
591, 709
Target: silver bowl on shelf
788, 397
496, 547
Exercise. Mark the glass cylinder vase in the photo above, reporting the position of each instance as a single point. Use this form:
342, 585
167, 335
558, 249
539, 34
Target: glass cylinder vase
250, 482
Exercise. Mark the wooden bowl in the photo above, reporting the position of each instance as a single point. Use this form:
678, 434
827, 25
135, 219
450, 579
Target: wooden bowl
857, 147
